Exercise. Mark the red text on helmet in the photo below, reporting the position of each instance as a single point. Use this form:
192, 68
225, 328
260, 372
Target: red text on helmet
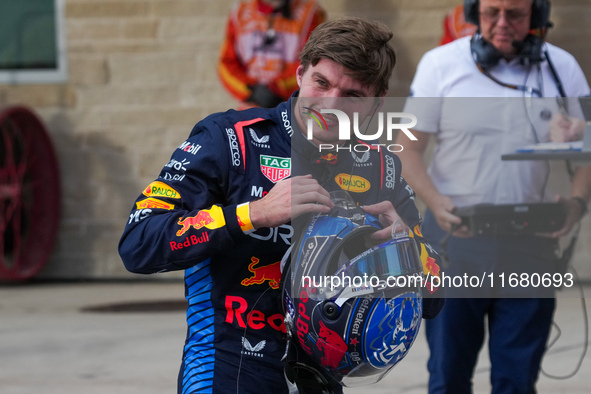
303, 322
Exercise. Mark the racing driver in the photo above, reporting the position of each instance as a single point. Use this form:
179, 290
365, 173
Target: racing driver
221, 208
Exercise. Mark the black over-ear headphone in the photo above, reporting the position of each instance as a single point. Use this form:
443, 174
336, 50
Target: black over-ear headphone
530, 50
540, 13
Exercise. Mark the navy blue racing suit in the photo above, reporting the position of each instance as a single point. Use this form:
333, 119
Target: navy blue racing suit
187, 220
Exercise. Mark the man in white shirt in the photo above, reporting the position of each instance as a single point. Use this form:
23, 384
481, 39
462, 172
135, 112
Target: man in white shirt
504, 59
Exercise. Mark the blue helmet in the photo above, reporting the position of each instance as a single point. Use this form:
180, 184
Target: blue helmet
353, 308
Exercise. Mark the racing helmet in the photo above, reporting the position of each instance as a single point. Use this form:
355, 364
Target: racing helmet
352, 308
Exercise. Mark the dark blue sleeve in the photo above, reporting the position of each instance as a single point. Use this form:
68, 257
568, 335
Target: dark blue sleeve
181, 218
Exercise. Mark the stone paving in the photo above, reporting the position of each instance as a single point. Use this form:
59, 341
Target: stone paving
91, 338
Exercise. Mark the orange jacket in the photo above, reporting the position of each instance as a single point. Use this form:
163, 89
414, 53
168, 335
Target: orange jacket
245, 58
455, 26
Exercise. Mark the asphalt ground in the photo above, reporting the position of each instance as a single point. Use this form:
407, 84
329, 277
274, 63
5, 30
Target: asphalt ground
127, 338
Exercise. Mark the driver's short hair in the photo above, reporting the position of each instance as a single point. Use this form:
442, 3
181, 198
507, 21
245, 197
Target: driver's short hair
358, 45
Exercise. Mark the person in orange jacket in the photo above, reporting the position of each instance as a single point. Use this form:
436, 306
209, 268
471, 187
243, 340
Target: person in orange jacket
261, 49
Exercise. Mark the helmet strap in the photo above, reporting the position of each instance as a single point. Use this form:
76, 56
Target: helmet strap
303, 377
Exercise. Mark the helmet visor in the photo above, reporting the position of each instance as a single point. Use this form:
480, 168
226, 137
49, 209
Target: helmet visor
393, 258
393, 266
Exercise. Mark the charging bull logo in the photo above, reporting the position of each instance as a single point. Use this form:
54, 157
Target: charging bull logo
430, 267
240, 222
271, 273
328, 158
333, 346
209, 218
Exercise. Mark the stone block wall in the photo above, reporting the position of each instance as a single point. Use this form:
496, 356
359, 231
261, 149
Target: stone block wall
141, 73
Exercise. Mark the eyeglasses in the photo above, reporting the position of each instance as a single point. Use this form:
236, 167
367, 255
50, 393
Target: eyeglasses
492, 15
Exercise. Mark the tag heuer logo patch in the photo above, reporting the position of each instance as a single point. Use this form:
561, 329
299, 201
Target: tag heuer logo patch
275, 168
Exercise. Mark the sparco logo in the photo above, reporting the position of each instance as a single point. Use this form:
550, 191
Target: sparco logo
390, 172
234, 149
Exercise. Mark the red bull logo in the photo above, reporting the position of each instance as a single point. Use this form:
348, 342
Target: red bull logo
271, 273
431, 267
333, 346
198, 221
209, 218
189, 241
240, 222
417, 231
329, 158
303, 323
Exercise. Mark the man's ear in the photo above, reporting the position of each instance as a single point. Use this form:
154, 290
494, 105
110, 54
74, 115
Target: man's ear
300, 75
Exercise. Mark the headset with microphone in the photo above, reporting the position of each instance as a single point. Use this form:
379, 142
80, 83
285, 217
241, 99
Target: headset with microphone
529, 50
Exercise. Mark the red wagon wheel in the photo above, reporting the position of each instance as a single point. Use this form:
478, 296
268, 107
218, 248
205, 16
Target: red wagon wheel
29, 194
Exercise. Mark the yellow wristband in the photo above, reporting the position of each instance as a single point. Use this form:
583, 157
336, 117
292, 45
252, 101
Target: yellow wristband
243, 216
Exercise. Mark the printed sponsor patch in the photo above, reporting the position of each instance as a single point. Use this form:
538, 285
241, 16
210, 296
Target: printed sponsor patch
189, 147
417, 230
210, 218
332, 345
361, 160
430, 267
234, 147
390, 172
243, 216
259, 142
190, 240
286, 123
352, 183
275, 168
267, 273
153, 203
250, 350
139, 215
160, 189
329, 158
